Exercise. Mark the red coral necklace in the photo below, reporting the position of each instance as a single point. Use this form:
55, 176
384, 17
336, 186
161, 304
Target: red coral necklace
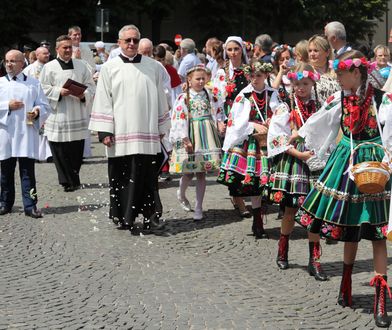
358, 114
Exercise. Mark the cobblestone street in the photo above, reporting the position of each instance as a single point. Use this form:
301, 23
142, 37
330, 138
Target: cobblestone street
73, 269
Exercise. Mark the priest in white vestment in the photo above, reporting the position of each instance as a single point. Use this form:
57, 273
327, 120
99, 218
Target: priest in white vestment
130, 114
67, 126
23, 109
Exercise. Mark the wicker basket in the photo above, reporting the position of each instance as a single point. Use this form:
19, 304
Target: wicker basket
261, 139
370, 177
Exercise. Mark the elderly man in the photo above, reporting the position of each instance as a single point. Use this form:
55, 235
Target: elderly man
23, 108
66, 127
130, 121
336, 35
263, 47
145, 47
188, 57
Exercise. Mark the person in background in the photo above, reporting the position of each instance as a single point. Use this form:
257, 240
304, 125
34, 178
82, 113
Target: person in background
188, 57
81, 52
145, 47
263, 48
212, 64
301, 51
382, 56
335, 33
32, 57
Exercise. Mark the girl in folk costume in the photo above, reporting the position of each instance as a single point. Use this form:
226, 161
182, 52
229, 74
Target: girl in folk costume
335, 207
228, 82
245, 167
196, 145
291, 179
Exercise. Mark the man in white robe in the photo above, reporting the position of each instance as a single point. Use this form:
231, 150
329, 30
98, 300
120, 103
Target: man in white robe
130, 114
67, 127
34, 70
23, 108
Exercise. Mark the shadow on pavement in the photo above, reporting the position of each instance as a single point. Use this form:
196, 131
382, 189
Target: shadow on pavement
72, 208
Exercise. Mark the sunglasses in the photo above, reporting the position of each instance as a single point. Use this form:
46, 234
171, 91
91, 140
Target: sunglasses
129, 40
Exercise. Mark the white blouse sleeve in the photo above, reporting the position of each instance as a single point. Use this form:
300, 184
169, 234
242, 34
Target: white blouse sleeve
238, 125
219, 89
385, 118
322, 128
279, 131
179, 120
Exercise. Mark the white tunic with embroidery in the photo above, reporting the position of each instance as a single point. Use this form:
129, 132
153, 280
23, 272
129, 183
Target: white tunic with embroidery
130, 103
17, 138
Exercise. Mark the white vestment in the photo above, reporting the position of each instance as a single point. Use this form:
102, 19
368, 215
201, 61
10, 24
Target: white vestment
17, 138
70, 116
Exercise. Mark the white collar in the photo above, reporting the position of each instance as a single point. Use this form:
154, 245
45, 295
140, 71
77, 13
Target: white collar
19, 77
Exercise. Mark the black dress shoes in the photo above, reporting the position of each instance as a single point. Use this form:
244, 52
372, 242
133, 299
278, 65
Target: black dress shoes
33, 213
4, 210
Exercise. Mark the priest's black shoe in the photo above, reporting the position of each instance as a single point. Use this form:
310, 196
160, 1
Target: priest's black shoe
33, 213
4, 210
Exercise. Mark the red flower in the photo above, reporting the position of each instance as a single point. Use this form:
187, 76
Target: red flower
272, 178
238, 98
346, 121
221, 78
229, 123
179, 108
264, 179
364, 61
230, 88
208, 166
247, 179
372, 123
275, 142
278, 196
330, 99
182, 115
305, 220
342, 66
215, 90
384, 230
301, 200
336, 232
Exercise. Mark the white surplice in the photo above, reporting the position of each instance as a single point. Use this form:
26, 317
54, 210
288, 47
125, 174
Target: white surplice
17, 138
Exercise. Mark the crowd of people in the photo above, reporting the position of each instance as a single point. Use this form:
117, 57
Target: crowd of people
278, 124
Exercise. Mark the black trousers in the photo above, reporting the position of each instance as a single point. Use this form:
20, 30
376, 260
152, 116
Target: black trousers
68, 158
27, 180
133, 188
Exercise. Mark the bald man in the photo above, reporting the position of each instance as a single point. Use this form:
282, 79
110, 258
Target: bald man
34, 69
23, 109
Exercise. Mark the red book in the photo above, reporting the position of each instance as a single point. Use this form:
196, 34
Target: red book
75, 87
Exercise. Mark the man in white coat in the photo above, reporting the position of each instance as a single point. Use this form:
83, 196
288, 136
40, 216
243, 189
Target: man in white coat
130, 114
23, 108
67, 126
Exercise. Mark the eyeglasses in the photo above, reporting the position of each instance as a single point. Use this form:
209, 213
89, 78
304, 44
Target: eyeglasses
12, 61
129, 40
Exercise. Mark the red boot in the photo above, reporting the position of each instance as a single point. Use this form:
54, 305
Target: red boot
380, 303
345, 298
258, 226
314, 266
283, 250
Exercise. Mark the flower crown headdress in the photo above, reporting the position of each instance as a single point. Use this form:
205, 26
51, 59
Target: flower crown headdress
258, 67
315, 76
198, 67
280, 48
352, 62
